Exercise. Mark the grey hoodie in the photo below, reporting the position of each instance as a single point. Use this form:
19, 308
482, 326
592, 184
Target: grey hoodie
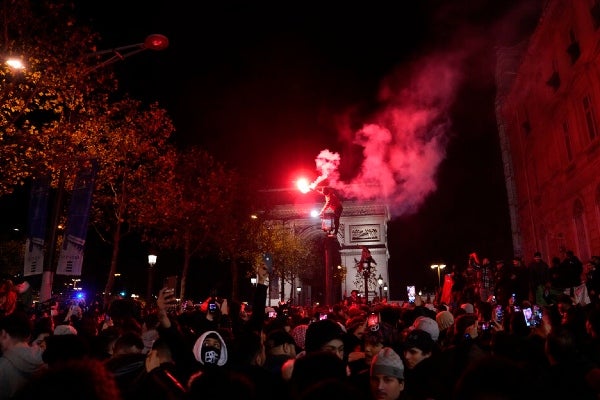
17, 365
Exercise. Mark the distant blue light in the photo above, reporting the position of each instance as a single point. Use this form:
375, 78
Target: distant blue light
122, 294
80, 295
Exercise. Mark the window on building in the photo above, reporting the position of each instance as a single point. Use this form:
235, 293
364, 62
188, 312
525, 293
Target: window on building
526, 124
590, 118
595, 13
573, 49
580, 231
554, 81
597, 200
567, 139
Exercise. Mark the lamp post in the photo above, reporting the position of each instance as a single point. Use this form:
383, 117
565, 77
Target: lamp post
366, 275
439, 267
380, 283
151, 263
385, 289
298, 293
253, 281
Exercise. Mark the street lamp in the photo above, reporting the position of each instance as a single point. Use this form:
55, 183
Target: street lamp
380, 283
298, 292
253, 281
439, 267
155, 42
151, 263
385, 289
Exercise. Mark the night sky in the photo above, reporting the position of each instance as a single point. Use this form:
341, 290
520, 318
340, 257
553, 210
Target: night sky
403, 92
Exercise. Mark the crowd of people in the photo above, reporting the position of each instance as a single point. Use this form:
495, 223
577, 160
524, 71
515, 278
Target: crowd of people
479, 342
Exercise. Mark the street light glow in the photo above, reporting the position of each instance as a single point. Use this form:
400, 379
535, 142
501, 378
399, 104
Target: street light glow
156, 42
15, 63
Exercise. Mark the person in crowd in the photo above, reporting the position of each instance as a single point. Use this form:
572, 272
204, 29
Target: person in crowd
359, 362
247, 356
428, 325
353, 299
463, 350
539, 280
355, 330
210, 349
386, 375
128, 360
298, 332
420, 355
220, 383
328, 389
592, 279
519, 281
86, 378
485, 280
493, 377
43, 327
160, 378
566, 376
333, 203
471, 289
62, 348
315, 367
502, 282
19, 361
571, 269
458, 285
149, 330
592, 343
445, 321
322, 335
280, 347
557, 278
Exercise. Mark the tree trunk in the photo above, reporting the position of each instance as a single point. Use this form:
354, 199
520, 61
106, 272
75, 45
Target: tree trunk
235, 284
116, 242
113, 265
186, 266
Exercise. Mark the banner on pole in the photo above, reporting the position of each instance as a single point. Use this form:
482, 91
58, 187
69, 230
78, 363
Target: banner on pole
36, 227
71, 252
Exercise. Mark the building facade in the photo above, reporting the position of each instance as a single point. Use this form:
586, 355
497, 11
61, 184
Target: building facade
547, 110
361, 224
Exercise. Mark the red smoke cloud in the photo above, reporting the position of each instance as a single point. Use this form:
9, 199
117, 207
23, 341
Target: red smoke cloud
404, 143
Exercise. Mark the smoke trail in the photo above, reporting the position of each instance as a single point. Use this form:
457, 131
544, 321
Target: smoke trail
327, 164
404, 143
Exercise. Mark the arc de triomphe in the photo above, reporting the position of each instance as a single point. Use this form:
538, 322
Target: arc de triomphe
361, 224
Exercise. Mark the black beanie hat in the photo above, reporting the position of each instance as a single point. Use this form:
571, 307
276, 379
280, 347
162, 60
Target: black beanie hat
321, 332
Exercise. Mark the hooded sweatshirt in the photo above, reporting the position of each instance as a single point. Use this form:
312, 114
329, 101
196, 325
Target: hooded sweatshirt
17, 366
208, 355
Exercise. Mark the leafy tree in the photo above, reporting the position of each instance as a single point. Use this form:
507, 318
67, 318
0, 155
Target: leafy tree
238, 246
11, 258
293, 256
48, 109
193, 205
61, 110
134, 150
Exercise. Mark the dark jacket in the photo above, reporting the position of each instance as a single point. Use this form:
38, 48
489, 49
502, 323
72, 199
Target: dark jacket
162, 383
